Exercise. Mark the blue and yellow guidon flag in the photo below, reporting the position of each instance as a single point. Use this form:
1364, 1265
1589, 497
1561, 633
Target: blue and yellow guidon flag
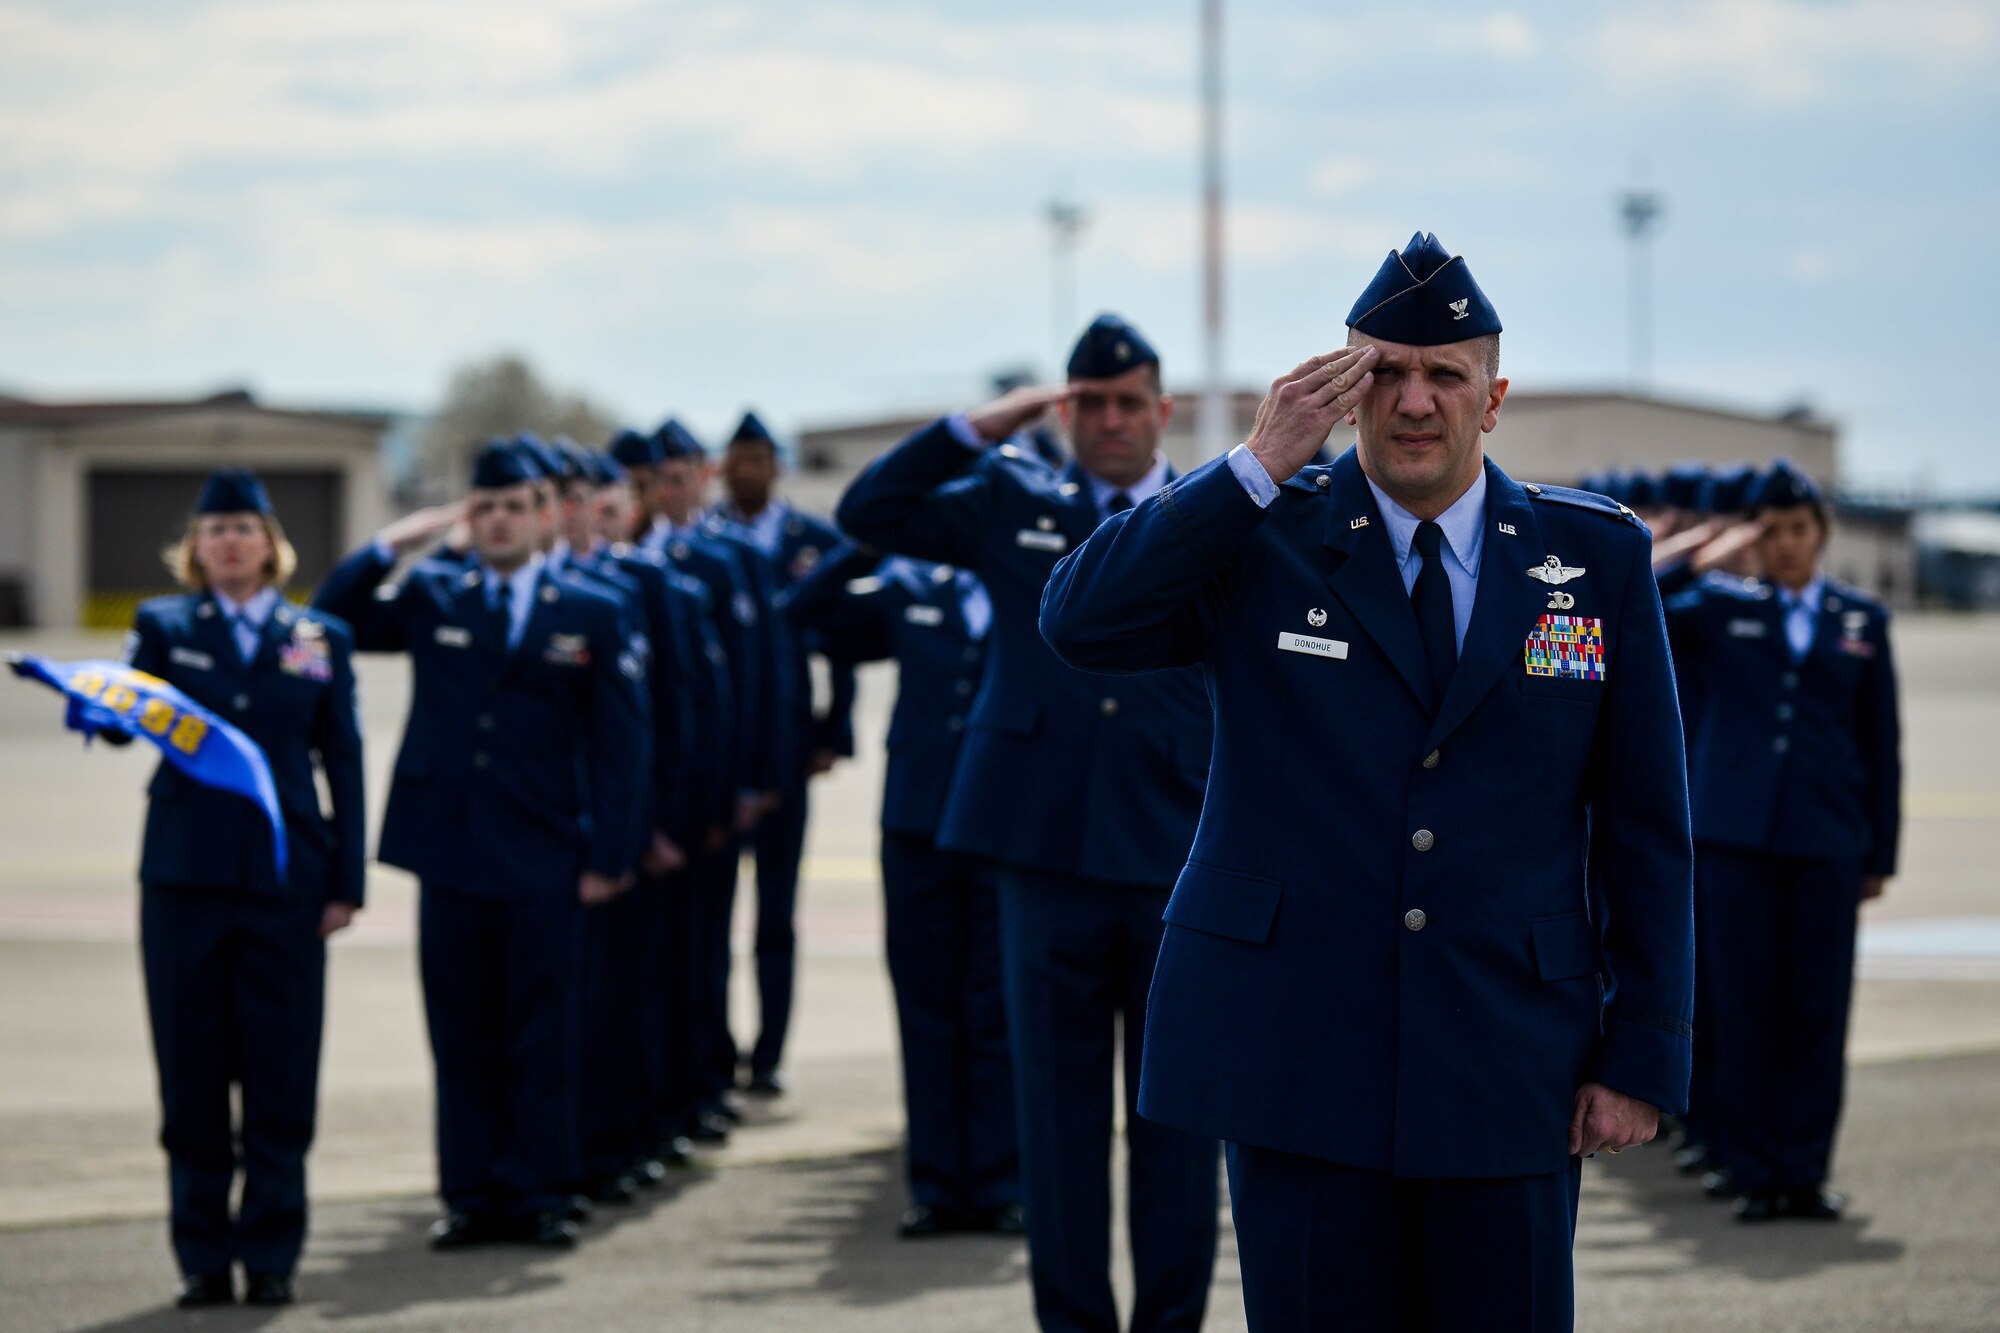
110, 696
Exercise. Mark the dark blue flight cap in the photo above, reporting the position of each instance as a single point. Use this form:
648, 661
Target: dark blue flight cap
1681, 487
546, 458
1728, 489
501, 463
605, 469
1109, 348
631, 449
673, 440
233, 490
1782, 487
1642, 490
575, 467
751, 430
1423, 297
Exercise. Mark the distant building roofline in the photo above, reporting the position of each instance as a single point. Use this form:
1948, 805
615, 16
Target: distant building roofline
30, 413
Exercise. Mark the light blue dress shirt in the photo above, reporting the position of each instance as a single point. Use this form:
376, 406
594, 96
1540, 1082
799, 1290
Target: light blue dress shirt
974, 604
1464, 526
519, 589
766, 532
1802, 615
246, 619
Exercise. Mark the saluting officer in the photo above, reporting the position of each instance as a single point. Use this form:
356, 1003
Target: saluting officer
235, 959
1085, 795
808, 744
1441, 699
1797, 788
517, 801
940, 915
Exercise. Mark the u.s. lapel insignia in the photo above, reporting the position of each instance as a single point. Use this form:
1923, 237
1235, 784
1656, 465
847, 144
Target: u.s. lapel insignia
549, 593
1046, 523
1316, 617
1508, 528
1554, 571
1358, 524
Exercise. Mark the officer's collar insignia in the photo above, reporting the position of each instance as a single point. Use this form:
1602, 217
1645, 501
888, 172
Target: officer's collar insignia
284, 615
1045, 523
1358, 524
943, 574
549, 593
471, 579
1068, 488
1554, 571
1508, 528
205, 610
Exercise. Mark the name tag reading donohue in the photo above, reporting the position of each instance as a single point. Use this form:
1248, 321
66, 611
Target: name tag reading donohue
1305, 643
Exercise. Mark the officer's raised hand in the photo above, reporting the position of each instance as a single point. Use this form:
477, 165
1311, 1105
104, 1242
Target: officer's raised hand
413, 531
1305, 404
1016, 409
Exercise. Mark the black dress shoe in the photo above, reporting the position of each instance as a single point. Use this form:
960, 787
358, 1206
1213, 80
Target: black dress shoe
675, 1153
648, 1172
267, 1289
766, 1084
576, 1210
457, 1231
550, 1231
1814, 1204
201, 1289
619, 1189
1761, 1205
1719, 1184
1692, 1160
709, 1129
921, 1222
1009, 1219
727, 1107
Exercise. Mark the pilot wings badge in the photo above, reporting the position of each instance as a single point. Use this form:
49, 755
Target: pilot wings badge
1554, 571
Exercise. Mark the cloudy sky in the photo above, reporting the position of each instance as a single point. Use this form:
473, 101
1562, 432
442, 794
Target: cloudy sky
830, 208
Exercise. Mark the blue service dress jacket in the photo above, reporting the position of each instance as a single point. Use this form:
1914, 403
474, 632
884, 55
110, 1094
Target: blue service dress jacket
1794, 757
1063, 772
519, 769
863, 608
1381, 951
295, 698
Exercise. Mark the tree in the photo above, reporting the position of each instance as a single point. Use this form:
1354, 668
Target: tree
502, 396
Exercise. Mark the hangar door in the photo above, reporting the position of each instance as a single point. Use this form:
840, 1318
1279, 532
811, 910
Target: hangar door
132, 514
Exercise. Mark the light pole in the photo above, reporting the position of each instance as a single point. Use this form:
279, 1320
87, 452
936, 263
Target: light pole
1639, 211
1213, 426
1066, 219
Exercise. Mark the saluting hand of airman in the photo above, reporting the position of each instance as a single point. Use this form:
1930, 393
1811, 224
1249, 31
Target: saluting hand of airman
1305, 404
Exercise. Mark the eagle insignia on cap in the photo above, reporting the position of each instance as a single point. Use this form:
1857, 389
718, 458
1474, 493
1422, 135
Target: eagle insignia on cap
1458, 307
1124, 351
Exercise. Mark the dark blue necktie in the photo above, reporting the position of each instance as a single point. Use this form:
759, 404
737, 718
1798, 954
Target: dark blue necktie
499, 612
1117, 503
1430, 595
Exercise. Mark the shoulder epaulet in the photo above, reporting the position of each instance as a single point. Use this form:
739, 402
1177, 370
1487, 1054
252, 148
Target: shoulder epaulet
1591, 500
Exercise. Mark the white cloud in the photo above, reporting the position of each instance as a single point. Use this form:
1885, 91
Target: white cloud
1510, 35
1338, 175
1778, 51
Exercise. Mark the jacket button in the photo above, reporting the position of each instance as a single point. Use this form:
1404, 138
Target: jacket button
972, 654
956, 724
1431, 759
1782, 744
1109, 707
1414, 919
1423, 840
241, 703
479, 759
964, 688
484, 721
1785, 712
1790, 680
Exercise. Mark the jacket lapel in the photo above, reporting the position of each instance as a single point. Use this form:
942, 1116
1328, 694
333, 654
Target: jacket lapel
212, 633
1506, 603
276, 629
1367, 581
541, 606
469, 609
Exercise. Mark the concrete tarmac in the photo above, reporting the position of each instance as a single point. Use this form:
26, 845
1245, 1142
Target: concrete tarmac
792, 1225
